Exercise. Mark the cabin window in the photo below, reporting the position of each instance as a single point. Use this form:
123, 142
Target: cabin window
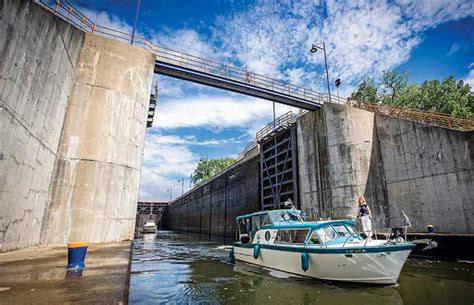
351, 230
255, 223
314, 240
291, 236
276, 217
327, 233
342, 231
266, 221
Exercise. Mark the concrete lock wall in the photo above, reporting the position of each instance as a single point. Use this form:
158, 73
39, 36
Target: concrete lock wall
339, 160
398, 165
211, 208
38, 56
76, 177
95, 187
428, 174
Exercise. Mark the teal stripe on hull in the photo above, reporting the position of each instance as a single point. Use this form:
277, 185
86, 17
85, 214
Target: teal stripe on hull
390, 248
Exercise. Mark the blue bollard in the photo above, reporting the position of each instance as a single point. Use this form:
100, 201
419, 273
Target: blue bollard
430, 228
76, 253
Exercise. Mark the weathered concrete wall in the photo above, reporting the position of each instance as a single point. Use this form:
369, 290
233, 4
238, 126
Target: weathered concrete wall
396, 164
339, 161
38, 56
429, 174
95, 187
211, 208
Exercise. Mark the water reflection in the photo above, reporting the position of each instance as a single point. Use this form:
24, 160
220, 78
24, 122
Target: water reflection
178, 268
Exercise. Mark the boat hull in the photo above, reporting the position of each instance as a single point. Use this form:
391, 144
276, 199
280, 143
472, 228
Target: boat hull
148, 230
353, 265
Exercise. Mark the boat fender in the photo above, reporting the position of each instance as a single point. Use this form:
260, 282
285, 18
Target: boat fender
256, 251
304, 261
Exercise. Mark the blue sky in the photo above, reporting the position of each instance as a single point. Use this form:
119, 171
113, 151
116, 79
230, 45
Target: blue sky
429, 39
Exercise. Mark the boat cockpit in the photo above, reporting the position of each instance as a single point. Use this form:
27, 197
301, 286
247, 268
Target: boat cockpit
249, 224
288, 227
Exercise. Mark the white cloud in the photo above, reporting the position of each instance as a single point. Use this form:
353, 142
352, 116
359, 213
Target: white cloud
165, 160
362, 37
458, 46
214, 112
469, 79
188, 41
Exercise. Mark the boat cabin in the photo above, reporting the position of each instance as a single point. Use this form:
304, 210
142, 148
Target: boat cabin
288, 227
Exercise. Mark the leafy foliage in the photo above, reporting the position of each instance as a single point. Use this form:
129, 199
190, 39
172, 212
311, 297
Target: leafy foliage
208, 168
448, 96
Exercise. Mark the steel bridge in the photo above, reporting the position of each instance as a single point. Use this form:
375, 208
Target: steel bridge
195, 69
215, 74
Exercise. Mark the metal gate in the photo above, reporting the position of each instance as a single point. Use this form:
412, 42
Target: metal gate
278, 162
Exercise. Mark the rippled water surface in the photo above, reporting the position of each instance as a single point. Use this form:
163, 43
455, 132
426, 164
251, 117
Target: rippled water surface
180, 269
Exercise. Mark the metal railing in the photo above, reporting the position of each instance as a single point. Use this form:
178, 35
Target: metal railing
66, 10
281, 122
431, 118
247, 148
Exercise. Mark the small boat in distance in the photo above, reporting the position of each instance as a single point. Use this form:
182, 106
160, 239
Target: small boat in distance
149, 227
330, 250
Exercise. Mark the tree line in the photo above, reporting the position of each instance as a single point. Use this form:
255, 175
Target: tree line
447, 96
207, 168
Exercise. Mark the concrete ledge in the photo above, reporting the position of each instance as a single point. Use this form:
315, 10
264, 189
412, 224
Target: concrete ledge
37, 275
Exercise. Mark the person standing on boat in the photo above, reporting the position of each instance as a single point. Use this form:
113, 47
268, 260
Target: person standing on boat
365, 216
248, 227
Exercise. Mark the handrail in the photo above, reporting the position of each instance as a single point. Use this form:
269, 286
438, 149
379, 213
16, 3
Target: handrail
65, 10
283, 120
436, 119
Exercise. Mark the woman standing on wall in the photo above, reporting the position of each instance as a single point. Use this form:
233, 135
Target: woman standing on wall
365, 216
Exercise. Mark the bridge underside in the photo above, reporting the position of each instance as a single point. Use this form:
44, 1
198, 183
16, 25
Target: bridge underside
208, 79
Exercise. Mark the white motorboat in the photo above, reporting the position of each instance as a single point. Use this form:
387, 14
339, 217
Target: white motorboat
330, 250
149, 227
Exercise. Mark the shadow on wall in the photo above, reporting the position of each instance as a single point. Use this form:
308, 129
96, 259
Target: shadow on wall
375, 186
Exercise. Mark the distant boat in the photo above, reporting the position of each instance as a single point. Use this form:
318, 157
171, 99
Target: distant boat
149, 227
330, 250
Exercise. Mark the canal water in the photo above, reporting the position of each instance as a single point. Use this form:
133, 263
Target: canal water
175, 268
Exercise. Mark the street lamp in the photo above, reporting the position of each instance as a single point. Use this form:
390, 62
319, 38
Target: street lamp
182, 184
314, 49
136, 21
170, 190
337, 83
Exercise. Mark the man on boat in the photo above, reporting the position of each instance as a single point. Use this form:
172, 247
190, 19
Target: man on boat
248, 227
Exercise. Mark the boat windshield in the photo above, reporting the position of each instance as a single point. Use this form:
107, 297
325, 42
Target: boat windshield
285, 216
334, 232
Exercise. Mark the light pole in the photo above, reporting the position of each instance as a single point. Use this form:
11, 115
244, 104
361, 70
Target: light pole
274, 123
314, 49
337, 83
182, 184
136, 21
170, 190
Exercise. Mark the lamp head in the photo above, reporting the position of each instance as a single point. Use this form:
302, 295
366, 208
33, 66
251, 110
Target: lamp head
314, 49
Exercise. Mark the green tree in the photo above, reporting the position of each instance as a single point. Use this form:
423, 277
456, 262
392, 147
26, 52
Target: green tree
206, 169
367, 92
448, 96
